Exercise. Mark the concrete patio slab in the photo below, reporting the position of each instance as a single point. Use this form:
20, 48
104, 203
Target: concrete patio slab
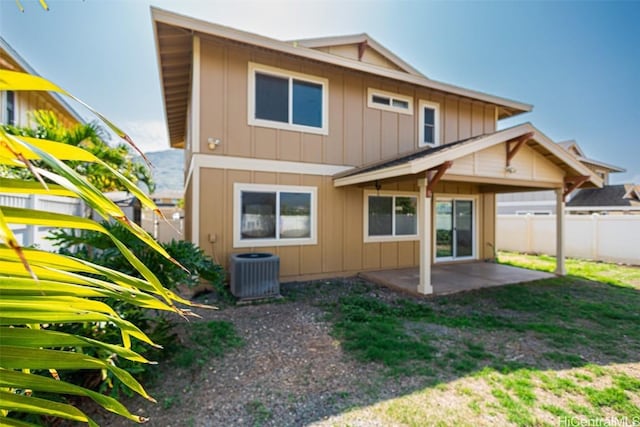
451, 278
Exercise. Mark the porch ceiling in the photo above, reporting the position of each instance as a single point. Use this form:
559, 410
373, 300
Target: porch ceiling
427, 159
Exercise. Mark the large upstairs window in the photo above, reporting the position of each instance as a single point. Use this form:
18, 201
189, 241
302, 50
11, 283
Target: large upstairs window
287, 100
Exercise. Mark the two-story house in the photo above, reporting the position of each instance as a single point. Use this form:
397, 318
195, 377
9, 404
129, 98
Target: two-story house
340, 157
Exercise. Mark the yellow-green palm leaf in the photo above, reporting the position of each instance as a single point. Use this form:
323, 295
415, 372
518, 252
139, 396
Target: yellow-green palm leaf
38, 288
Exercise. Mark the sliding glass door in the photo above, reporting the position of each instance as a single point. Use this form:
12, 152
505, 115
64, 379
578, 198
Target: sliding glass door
454, 229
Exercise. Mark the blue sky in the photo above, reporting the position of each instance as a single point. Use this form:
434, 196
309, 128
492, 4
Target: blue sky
578, 63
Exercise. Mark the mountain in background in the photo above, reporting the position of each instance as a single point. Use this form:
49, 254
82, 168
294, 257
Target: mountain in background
168, 169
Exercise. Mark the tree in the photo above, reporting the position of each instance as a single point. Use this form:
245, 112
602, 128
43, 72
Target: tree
92, 137
38, 289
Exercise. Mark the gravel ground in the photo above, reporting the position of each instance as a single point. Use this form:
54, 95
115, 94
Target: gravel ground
289, 372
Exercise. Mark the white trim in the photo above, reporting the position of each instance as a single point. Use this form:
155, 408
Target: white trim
371, 92
263, 165
530, 212
561, 269
524, 203
195, 206
358, 38
424, 226
277, 241
436, 123
195, 96
474, 199
290, 75
163, 16
392, 237
602, 208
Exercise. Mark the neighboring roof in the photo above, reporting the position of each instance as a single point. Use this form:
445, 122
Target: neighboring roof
425, 159
573, 147
607, 196
27, 68
173, 36
321, 42
601, 165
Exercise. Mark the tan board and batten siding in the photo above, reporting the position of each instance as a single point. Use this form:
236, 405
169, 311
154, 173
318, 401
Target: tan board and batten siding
341, 249
357, 135
223, 112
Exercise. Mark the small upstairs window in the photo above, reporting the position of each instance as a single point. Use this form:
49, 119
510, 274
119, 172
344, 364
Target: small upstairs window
389, 101
429, 124
287, 100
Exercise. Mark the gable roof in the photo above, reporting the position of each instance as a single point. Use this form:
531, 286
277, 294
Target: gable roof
607, 196
425, 159
366, 40
174, 41
573, 147
25, 67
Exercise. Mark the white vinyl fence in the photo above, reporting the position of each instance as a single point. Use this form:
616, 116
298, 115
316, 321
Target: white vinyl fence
613, 238
29, 235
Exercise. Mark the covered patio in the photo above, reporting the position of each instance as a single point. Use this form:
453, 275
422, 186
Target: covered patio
455, 214
452, 278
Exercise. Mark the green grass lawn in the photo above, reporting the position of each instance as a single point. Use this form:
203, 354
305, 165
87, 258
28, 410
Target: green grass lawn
529, 354
599, 271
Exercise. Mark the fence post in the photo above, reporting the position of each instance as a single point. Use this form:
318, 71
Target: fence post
528, 226
595, 238
30, 233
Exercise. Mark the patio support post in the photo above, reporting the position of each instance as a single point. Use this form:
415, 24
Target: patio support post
560, 267
424, 222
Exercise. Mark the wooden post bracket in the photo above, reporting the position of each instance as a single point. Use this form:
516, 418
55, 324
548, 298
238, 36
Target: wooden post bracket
519, 142
434, 175
573, 182
362, 46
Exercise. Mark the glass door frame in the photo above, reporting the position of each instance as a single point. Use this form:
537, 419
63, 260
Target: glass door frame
474, 225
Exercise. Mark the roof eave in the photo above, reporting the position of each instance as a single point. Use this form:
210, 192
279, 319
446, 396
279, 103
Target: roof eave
29, 69
604, 165
171, 18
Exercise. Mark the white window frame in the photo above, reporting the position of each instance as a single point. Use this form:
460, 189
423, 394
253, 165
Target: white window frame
474, 223
371, 92
436, 119
238, 242
393, 237
290, 75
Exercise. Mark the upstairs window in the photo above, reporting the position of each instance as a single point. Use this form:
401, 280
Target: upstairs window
429, 125
287, 100
389, 101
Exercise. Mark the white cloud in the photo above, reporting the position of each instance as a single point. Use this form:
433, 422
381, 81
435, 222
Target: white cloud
148, 135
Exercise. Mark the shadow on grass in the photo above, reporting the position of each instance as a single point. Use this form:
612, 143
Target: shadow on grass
516, 330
